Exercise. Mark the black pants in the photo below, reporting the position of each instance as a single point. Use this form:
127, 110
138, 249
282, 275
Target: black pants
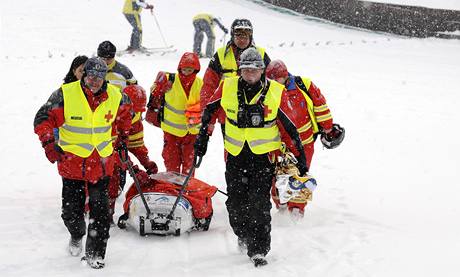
203, 27
136, 35
249, 178
73, 210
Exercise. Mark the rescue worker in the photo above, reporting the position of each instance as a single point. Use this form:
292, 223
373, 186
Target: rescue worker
224, 62
132, 11
135, 146
310, 114
204, 23
255, 109
174, 105
84, 111
118, 74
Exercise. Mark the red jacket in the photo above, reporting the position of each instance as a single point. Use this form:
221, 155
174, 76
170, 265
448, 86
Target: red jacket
299, 115
94, 167
135, 144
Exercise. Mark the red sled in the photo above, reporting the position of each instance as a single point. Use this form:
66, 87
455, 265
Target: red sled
193, 211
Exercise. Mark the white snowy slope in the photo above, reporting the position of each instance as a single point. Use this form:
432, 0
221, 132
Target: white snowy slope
387, 198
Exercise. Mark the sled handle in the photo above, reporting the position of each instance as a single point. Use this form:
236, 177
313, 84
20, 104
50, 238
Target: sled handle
126, 161
196, 162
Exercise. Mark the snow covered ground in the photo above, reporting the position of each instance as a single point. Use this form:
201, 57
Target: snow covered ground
387, 198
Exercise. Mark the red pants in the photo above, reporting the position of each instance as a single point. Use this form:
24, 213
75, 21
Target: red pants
178, 152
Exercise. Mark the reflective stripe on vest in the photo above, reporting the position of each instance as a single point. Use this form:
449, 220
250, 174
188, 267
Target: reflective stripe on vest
260, 140
174, 120
137, 139
84, 130
228, 61
310, 105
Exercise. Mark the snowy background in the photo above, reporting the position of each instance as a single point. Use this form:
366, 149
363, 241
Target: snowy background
387, 202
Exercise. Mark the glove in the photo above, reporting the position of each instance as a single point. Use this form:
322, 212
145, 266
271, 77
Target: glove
149, 7
151, 167
201, 145
122, 221
193, 114
225, 30
143, 178
302, 165
53, 152
121, 143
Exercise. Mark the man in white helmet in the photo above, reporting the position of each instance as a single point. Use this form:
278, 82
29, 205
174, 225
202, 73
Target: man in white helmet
254, 109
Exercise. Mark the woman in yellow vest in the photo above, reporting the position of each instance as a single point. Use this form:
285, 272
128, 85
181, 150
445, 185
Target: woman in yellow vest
254, 109
132, 11
174, 106
84, 112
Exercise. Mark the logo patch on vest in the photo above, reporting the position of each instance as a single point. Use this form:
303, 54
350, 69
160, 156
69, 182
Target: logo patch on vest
74, 117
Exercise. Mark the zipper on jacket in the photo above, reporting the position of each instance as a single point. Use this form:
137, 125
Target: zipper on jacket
83, 168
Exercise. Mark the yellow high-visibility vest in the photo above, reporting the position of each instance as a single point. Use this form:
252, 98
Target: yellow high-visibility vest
131, 7
260, 140
228, 61
84, 130
176, 101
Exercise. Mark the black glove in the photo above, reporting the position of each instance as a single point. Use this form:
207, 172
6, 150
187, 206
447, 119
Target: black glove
225, 30
122, 221
201, 145
302, 165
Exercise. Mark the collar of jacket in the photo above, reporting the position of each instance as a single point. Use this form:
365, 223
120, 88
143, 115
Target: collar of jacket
95, 99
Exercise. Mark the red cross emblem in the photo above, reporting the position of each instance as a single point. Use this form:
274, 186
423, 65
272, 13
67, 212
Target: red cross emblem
267, 111
108, 116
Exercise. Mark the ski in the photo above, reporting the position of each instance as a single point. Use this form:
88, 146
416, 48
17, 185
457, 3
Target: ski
148, 51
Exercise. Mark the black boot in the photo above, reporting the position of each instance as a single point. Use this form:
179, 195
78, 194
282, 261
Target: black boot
259, 260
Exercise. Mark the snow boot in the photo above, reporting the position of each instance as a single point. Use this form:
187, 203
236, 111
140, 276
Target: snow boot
259, 260
75, 246
94, 262
296, 214
243, 245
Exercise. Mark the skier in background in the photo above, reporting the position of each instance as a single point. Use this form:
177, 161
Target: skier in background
132, 11
84, 112
174, 105
118, 74
254, 110
204, 23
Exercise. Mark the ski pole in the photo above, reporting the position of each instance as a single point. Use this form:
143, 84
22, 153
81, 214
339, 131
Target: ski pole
223, 39
159, 29
196, 164
126, 161
222, 192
